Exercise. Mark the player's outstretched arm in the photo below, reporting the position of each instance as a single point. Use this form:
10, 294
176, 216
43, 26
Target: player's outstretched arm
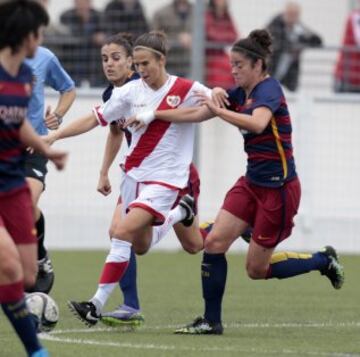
76, 127
185, 115
112, 147
180, 115
29, 137
256, 122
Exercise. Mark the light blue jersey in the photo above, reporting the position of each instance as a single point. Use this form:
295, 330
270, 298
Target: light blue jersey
47, 70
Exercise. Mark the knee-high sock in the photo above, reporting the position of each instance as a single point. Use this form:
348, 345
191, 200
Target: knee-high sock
213, 277
14, 306
175, 216
287, 264
113, 270
40, 232
128, 284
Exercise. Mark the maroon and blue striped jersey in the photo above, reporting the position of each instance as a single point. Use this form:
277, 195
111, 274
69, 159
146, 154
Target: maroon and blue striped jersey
270, 154
15, 94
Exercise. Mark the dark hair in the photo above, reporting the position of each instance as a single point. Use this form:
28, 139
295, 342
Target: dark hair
256, 46
212, 8
155, 40
18, 19
122, 39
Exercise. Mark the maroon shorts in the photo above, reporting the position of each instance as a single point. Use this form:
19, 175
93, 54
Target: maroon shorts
270, 211
16, 216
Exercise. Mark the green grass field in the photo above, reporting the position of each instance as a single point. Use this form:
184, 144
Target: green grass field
303, 316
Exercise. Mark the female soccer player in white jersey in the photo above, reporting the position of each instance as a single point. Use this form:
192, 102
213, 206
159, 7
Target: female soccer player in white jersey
156, 166
116, 56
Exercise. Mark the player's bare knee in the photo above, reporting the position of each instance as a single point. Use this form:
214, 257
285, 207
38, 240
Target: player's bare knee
214, 244
255, 271
193, 248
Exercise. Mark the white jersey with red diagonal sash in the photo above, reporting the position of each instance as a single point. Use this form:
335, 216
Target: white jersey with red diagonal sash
162, 151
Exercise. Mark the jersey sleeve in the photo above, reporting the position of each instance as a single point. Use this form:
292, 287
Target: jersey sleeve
191, 99
116, 108
57, 78
268, 95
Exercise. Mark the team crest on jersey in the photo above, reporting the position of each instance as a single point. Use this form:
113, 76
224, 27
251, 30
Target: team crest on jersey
173, 100
248, 102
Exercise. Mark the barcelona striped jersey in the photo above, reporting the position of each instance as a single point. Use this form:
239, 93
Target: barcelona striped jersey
15, 94
270, 154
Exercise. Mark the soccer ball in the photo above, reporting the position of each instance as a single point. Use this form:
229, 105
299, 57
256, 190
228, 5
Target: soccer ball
45, 310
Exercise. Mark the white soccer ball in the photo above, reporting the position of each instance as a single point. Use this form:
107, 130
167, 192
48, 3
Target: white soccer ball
45, 309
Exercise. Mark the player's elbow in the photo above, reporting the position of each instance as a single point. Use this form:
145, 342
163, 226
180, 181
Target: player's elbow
257, 128
193, 247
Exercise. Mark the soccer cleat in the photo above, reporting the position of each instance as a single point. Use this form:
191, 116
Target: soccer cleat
334, 271
85, 311
188, 203
40, 353
123, 316
201, 326
45, 277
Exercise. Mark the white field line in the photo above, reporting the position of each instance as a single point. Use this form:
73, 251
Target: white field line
230, 325
147, 346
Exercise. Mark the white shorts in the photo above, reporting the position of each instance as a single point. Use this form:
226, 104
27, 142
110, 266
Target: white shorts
155, 198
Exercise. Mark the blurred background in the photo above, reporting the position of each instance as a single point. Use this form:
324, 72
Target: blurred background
316, 58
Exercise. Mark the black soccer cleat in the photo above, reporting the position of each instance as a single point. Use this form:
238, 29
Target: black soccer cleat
85, 311
45, 277
201, 326
188, 203
334, 271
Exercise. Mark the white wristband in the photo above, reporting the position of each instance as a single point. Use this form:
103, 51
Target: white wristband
146, 117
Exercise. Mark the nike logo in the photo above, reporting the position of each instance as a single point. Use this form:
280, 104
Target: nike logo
38, 173
91, 317
205, 265
263, 238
